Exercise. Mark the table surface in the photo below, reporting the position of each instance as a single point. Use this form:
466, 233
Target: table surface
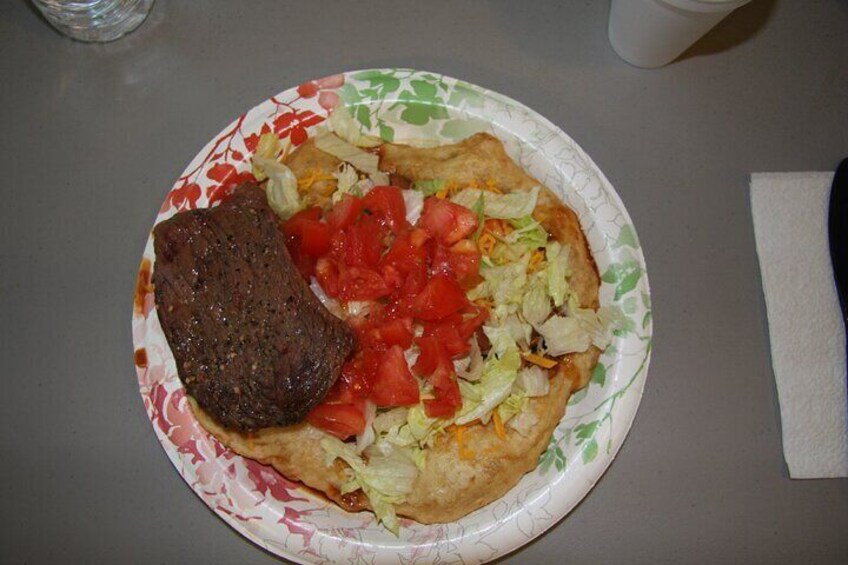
94, 135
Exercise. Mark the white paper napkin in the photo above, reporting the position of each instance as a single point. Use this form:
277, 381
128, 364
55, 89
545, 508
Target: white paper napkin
790, 213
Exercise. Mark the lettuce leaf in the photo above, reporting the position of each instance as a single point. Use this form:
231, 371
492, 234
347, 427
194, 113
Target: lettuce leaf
347, 128
506, 206
281, 188
347, 152
429, 187
528, 232
268, 147
512, 406
557, 271
533, 381
493, 387
347, 182
536, 304
386, 479
414, 201
564, 335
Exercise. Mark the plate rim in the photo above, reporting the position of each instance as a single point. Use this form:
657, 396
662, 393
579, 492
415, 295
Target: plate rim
637, 391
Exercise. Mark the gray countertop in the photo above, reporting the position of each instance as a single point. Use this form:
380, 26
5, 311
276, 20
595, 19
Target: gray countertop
94, 135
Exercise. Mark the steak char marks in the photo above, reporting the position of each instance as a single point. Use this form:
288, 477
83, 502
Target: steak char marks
253, 344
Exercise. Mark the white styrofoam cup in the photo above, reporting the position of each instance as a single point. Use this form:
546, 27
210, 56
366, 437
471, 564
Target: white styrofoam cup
652, 33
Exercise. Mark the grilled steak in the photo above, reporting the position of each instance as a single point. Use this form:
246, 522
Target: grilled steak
253, 344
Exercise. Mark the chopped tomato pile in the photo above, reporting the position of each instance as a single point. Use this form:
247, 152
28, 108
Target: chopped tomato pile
402, 276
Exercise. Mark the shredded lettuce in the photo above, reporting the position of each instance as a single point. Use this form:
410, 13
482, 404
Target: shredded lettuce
414, 201
344, 126
536, 305
347, 152
474, 370
528, 232
386, 479
268, 147
385, 421
512, 406
429, 187
493, 388
368, 436
505, 206
598, 324
504, 284
511, 333
379, 178
347, 182
564, 335
281, 188
329, 302
533, 381
423, 428
557, 271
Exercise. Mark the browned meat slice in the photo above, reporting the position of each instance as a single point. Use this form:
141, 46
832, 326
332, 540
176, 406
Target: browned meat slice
253, 344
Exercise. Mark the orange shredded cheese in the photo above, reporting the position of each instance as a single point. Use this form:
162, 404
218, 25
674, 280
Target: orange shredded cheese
464, 453
486, 243
536, 259
539, 360
442, 193
313, 176
484, 303
492, 186
499, 427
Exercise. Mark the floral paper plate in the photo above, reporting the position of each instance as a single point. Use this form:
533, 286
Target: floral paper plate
405, 105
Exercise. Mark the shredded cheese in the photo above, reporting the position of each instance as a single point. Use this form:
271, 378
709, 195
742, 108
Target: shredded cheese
499, 427
486, 243
313, 176
539, 360
492, 186
536, 260
464, 453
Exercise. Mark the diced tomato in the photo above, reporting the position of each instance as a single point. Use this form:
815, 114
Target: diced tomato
327, 273
434, 363
441, 297
441, 407
311, 234
404, 255
418, 237
439, 258
446, 221
360, 283
496, 226
387, 205
355, 382
464, 260
428, 356
363, 244
341, 420
304, 262
449, 337
394, 385
344, 213
402, 300
396, 332
470, 325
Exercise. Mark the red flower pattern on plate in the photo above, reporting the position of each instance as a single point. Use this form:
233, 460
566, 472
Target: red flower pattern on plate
325, 89
293, 125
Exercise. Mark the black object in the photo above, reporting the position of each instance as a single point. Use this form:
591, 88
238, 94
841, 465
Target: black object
838, 232
252, 343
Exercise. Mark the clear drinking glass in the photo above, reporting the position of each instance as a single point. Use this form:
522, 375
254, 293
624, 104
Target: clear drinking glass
94, 20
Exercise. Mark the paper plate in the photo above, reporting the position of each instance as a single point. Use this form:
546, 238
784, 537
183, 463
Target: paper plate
405, 105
